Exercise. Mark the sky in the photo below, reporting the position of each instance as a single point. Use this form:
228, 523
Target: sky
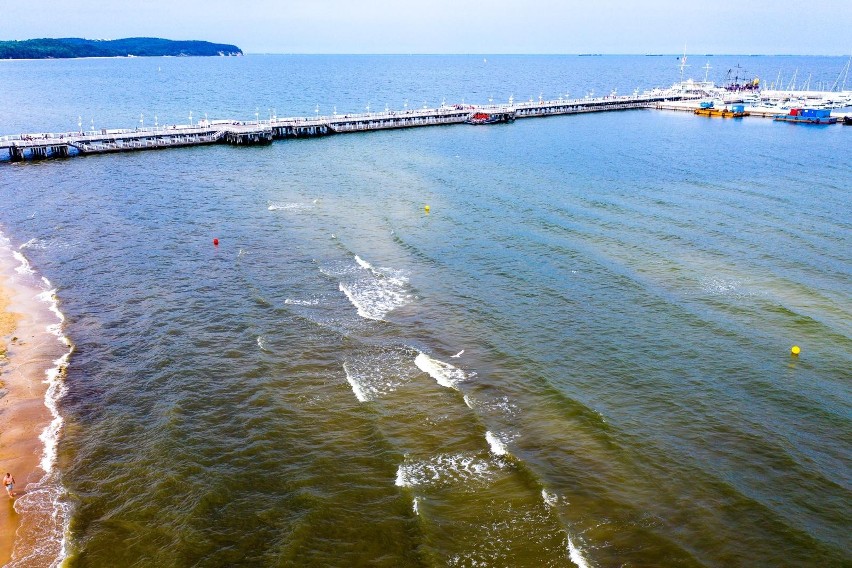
815, 27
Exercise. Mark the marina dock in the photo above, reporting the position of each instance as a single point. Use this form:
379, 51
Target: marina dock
66, 144
760, 112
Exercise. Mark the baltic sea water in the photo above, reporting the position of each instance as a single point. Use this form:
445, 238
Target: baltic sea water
622, 289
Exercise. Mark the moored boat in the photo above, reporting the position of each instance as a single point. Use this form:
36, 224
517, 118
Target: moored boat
807, 116
707, 109
481, 117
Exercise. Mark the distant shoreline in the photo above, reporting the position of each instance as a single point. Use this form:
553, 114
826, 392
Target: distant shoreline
291, 54
76, 48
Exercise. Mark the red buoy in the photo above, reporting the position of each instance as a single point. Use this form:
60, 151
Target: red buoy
216, 242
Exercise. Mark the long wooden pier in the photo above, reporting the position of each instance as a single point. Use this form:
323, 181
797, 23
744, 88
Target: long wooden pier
66, 144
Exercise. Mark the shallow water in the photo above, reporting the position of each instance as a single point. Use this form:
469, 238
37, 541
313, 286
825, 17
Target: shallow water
625, 288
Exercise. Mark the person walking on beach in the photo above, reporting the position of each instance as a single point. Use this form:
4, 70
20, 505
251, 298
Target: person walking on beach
9, 484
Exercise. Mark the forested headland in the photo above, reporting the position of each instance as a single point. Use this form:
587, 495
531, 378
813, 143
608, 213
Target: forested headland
64, 48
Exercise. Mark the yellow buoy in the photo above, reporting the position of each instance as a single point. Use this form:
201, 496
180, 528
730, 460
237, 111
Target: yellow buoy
426, 208
795, 350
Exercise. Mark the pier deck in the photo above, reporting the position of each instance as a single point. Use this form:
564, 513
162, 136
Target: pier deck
49, 145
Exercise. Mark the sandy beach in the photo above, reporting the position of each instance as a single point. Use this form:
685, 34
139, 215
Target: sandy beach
27, 351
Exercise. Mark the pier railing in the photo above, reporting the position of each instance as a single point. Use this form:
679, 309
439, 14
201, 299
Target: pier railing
64, 144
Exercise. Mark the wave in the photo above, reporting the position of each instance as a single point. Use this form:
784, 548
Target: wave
574, 553
376, 373
293, 302
444, 374
498, 448
363, 263
373, 291
282, 206
23, 264
359, 391
34, 243
464, 470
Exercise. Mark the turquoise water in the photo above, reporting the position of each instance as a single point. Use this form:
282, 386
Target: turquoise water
622, 291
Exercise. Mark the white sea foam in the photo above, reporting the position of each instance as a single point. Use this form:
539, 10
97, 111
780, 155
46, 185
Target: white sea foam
33, 244
43, 502
261, 343
720, 286
463, 470
281, 206
551, 500
575, 555
376, 373
295, 302
374, 298
363, 263
500, 405
415, 507
498, 448
49, 297
360, 394
727, 287
55, 391
373, 291
468, 401
23, 264
444, 374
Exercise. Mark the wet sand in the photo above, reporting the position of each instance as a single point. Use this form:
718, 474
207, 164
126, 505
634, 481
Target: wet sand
25, 355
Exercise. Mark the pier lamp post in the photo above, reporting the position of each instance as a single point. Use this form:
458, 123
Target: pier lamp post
142, 121
511, 100
93, 127
424, 105
540, 97
316, 112
190, 119
405, 105
155, 123
368, 108
80, 124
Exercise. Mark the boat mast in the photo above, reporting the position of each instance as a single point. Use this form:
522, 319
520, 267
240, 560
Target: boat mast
791, 86
845, 73
683, 63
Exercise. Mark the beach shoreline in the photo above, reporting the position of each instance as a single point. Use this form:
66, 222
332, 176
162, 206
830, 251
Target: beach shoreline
29, 351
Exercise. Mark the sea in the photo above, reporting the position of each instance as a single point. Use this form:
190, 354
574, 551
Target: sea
561, 342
